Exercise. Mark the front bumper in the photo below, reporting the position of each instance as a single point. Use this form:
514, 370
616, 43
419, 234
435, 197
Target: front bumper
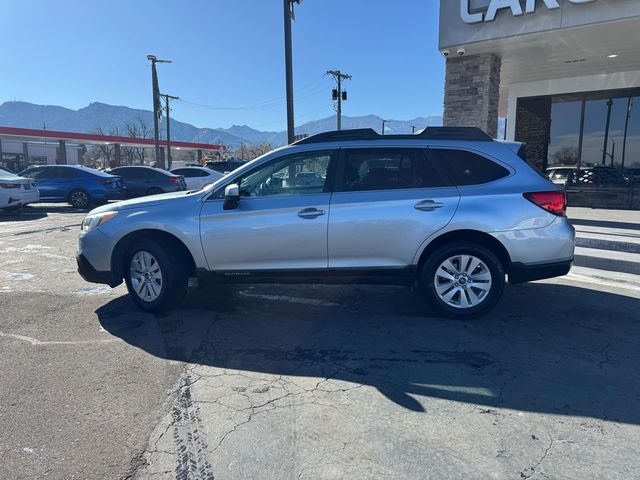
91, 275
520, 272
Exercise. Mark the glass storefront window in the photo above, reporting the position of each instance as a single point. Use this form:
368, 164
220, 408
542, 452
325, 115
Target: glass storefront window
586, 129
564, 135
631, 148
598, 146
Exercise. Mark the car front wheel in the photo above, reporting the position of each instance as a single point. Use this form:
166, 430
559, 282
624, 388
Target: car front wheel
155, 282
463, 280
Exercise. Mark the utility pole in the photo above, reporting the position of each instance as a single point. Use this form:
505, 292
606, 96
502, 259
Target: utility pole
413, 129
157, 107
167, 109
383, 124
288, 16
338, 94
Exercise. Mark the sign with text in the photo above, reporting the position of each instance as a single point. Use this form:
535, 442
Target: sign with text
469, 14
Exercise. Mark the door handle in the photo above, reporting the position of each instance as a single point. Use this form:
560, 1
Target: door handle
428, 205
310, 213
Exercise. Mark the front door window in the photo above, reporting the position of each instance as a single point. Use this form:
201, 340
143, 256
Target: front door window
299, 174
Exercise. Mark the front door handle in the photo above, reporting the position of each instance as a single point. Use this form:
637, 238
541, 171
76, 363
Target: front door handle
428, 205
310, 213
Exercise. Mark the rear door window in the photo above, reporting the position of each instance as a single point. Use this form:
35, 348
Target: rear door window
67, 173
467, 168
365, 169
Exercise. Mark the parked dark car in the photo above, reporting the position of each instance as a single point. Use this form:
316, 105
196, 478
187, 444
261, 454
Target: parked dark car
140, 181
226, 166
79, 186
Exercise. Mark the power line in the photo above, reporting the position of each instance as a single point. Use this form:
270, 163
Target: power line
309, 91
305, 114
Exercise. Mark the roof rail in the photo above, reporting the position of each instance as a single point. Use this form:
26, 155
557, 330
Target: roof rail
429, 133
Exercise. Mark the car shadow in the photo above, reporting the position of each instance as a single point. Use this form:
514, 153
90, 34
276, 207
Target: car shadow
22, 215
547, 348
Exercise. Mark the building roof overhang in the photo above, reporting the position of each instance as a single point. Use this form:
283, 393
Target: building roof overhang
29, 134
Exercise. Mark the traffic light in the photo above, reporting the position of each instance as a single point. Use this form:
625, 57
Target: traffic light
334, 94
344, 95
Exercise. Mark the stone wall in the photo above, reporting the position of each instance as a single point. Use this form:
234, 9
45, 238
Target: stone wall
472, 92
532, 127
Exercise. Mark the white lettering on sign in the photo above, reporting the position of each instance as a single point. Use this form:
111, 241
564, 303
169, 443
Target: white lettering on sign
514, 5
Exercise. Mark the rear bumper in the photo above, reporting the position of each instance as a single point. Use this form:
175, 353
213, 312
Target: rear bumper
91, 275
520, 273
22, 198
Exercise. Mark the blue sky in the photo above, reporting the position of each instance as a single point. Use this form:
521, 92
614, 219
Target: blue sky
226, 53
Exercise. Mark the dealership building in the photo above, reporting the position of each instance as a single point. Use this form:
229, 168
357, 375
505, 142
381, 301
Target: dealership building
564, 73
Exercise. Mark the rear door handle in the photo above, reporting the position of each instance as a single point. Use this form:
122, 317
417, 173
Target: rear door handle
310, 213
428, 205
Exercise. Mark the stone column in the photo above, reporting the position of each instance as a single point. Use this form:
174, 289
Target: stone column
116, 152
472, 92
200, 157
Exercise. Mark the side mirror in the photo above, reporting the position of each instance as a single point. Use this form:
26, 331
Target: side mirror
231, 196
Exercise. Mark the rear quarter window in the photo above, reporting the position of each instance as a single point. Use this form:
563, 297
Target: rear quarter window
467, 168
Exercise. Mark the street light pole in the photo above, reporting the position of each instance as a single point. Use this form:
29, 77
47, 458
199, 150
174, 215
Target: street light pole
157, 107
288, 60
383, 124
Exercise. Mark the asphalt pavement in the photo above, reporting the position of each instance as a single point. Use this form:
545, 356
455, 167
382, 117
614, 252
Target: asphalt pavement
312, 382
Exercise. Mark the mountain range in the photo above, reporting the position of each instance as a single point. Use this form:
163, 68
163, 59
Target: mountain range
109, 117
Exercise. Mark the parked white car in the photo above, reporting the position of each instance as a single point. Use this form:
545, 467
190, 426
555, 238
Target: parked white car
197, 177
16, 191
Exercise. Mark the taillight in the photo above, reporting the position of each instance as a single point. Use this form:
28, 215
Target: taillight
174, 179
9, 185
554, 202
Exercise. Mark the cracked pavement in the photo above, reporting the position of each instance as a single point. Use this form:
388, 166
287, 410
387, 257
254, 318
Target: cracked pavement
307, 382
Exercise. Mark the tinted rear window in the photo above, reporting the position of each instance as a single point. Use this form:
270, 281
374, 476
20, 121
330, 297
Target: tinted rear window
388, 169
467, 168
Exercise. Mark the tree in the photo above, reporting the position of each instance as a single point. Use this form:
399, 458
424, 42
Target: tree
106, 151
249, 152
566, 155
136, 129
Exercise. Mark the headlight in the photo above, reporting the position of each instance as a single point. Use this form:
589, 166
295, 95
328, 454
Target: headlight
91, 222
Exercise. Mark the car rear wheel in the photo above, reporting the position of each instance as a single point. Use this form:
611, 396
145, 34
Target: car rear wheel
156, 282
463, 280
79, 198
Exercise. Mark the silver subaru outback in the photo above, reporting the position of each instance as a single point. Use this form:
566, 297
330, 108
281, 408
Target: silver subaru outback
447, 210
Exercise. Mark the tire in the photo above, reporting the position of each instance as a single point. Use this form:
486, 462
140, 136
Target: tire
155, 191
144, 260
462, 280
79, 198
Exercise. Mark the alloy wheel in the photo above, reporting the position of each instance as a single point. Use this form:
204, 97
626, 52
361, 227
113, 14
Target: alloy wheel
146, 276
463, 281
79, 199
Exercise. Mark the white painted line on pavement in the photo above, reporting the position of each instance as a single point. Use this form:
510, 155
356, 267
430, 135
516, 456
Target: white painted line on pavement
35, 341
626, 281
